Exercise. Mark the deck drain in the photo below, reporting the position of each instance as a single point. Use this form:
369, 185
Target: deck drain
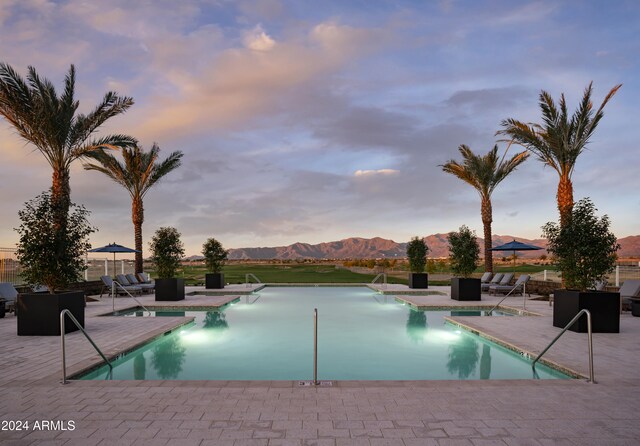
310, 383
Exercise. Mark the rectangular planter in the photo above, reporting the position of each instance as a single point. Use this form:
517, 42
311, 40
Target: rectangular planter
3, 309
418, 280
465, 288
635, 307
169, 289
39, 313
604, 308
214, 281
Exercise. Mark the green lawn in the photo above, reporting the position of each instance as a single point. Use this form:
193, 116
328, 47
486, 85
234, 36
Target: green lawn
235, 273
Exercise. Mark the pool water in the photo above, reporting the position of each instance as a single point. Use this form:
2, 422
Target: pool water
361, 336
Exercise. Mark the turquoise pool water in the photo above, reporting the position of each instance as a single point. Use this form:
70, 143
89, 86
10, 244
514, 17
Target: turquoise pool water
361, 336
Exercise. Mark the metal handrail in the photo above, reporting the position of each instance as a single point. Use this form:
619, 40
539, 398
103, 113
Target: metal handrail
246, 279
524, 298
590, 340
384, 279
315, 347
64, 354
113, 297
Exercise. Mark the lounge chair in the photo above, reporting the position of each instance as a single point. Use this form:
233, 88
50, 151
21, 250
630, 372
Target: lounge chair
518, 287
629, 291
147, 287
144, 278
486, 277
120, 289
122, 280
496, 279
9, 294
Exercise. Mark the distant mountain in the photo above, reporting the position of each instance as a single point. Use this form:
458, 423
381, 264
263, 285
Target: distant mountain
377, 247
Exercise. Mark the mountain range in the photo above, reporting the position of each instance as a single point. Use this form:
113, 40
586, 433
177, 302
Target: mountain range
377, 247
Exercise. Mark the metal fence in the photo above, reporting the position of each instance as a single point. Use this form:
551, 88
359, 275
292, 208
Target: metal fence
616, 278
96, 266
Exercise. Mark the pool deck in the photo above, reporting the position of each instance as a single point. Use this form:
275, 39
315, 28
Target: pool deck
359, 413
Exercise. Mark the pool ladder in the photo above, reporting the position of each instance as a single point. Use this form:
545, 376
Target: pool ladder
246, 279
590, 341
384, 279
62, 333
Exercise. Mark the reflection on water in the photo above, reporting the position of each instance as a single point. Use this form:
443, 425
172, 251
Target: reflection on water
485, 362
167, 357
416, 325
463, 357
215, 319
139, 366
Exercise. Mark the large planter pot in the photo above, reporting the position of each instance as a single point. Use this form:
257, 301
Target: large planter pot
635, 307
214, 280
169, 289
39, 313
604, 308
465, 288
2, 309
418, 280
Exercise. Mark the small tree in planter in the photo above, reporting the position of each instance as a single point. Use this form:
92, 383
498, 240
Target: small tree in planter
464, 254
417, 251
54, 257
585, 252
167, 251
215, 256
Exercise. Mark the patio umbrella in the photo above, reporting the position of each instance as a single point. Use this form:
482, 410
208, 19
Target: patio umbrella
114, 248
516, 246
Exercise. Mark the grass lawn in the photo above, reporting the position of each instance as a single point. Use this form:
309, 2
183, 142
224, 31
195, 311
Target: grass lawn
283, 274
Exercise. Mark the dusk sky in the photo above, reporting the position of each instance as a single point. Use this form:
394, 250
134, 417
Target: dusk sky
316, 121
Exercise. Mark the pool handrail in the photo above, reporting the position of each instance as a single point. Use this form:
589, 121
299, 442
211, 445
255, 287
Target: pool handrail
590, 341
524, 299
113, 297
384, 279
246, 279
86, 335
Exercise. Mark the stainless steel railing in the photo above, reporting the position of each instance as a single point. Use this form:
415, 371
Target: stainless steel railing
64, 354
113, 297
384, 279
246, 279
590, 341
315, 347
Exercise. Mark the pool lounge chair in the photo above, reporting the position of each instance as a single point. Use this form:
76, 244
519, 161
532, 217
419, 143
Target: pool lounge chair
9, 294
147, 287
144, 278
486, 277
122, 280
120, 289
496, 279
518, 287
629, 291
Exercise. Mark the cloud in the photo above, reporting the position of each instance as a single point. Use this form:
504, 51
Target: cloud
368, 173
258, 40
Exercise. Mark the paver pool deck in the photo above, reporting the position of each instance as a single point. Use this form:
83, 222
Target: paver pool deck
269, 413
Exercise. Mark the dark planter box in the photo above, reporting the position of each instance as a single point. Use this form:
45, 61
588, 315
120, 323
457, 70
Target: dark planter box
465, 289
169, 289
635, 307
3, 309
603, 306
418, 280
39, 313
214, 280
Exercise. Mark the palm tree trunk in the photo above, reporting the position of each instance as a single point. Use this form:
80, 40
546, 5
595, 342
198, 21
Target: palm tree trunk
137, 215
60, 197
487, 219
565, 198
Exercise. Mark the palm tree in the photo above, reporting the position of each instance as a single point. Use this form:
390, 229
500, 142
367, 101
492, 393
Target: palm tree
139, 172
51, 124
484, 173
560, 139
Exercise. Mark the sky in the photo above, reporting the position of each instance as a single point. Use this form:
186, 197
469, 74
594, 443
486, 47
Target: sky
311, 122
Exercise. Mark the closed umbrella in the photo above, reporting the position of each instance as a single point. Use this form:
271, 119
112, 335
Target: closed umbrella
516, 246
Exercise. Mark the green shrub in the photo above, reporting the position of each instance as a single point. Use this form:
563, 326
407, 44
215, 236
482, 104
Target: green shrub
584, 249
166, 252
215, 256
417, 251
49, 255
464, 252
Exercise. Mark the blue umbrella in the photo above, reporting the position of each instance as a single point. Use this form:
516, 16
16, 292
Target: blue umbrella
516, 246
114, 248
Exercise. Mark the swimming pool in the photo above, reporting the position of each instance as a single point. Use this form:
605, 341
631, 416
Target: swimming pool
361, 336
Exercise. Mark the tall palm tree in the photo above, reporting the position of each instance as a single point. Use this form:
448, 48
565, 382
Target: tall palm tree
560, 139
484, 173
51, 124
139, 172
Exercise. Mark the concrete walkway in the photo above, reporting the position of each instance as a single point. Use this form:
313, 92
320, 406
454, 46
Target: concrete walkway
514, 412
